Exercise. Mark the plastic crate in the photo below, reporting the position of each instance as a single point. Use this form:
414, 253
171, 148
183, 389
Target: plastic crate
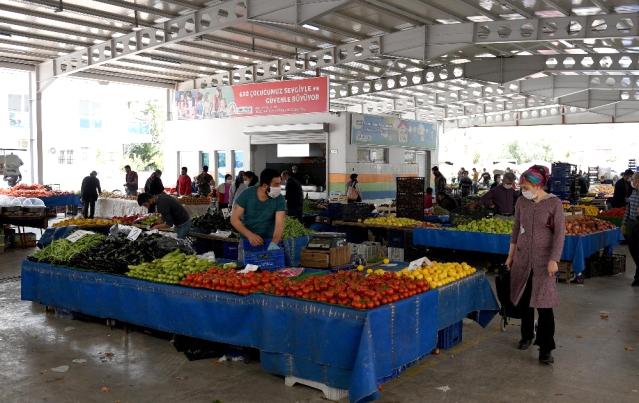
293, 250
410, 184
353, 212
262, 257
230, 250
450, 336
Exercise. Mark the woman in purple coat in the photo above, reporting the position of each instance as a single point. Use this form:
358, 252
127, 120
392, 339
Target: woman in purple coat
535, 251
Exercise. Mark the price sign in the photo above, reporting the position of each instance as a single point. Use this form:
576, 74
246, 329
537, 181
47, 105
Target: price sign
134, 234
77, 235
415, 264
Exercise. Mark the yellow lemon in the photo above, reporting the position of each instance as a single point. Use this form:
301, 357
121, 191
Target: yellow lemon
386, 261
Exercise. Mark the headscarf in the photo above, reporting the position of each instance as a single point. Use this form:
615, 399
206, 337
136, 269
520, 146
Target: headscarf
536, 175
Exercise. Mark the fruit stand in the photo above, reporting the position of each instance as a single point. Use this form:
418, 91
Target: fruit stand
576, 247
344, 349
110, 207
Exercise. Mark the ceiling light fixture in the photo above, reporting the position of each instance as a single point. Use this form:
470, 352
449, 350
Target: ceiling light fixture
311, 27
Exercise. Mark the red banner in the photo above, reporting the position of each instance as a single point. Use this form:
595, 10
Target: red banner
259, 99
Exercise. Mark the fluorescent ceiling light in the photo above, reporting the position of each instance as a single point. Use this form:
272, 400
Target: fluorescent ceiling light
311, 27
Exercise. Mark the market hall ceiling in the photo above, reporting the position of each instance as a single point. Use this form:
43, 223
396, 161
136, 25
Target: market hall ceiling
441, 59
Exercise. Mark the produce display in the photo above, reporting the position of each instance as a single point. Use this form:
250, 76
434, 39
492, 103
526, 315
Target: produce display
63, 251
149, 220
294, 229
211, 222
587, 210
345, 288
487, 225
84, 222
586, 225
116, 195
392, 221
194, 200
126, 220
615, 212
437, 211
311, 206
439, 274
24, 190
170, 269
603, 190
430, 225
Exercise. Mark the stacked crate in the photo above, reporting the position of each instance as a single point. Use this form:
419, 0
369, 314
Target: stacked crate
410, 197
563, 181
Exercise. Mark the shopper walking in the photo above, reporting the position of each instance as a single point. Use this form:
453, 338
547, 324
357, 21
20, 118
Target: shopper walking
131, 181
89, 193
623, 190
225, 192
353, 194
294, 196
154, 184
204, 182
440, 182
631, 227
183, 185
250, 179
535, 250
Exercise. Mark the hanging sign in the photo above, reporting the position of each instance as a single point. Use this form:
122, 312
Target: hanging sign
255, 99
375, 130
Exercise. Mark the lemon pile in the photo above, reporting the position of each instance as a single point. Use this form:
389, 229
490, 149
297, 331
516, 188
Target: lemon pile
440, 274
392, 221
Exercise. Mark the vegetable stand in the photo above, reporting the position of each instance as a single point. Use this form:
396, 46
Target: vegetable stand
341, 347
576, 247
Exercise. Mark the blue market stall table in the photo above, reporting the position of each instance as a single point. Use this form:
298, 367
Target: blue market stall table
576, 247
343, 348
62, 201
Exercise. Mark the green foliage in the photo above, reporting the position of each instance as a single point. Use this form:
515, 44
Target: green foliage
148, 156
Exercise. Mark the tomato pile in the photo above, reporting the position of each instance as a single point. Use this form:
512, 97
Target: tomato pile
127, 219
346, 288
618, 212
24, 190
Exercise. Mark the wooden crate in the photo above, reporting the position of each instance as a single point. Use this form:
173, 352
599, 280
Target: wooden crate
334, 257
565, 272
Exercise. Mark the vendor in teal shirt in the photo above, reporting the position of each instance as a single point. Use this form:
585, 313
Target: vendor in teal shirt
259, 212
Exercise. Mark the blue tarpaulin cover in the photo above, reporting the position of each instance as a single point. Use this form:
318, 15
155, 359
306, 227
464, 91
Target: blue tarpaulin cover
576, 248
341, 347
61, 201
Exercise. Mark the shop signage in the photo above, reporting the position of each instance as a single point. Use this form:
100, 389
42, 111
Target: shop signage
256, 99
392, 131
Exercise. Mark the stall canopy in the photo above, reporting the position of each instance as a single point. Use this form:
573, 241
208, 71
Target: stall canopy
463, 62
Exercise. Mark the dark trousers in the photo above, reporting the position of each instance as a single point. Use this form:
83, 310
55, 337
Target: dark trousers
633, 246
545, 324
297, 213
88, 205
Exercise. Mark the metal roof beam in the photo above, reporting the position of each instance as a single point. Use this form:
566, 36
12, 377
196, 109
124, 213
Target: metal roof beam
552, 4
60, 18
591, 99
480, 10
88, 11
602, 6
560, 86
187, 26
449, 14
137, 7
397, 12
519, 10
48, 28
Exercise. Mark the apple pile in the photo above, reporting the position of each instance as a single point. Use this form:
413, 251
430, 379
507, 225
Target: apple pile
345, 288
583, 225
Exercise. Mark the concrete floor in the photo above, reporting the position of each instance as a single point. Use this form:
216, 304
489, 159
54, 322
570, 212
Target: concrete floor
597, 360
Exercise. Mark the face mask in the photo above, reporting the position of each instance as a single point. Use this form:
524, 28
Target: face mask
508, 186
274, 192
229, 181
528, 194
246, 182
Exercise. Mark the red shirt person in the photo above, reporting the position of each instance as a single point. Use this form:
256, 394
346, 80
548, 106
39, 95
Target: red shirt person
183, 185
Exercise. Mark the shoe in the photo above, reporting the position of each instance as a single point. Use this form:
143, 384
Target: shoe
524, 344
546, 358
635, 283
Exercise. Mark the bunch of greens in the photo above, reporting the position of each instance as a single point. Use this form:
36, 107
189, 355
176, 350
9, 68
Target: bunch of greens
294, 229
62, 251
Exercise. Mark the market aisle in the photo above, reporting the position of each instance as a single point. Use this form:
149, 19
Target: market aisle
593, 364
